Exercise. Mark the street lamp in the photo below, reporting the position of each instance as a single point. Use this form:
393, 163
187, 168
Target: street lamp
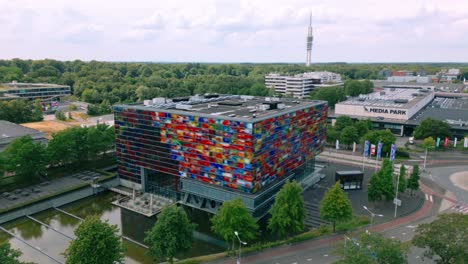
240, 246
372, 215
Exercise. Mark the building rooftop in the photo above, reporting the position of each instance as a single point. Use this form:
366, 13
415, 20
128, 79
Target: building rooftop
390, 97
10, 130
16, 85
452, 110
231, 107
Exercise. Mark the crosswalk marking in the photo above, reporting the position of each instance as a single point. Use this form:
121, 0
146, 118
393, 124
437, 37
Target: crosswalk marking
429, 197
461, 208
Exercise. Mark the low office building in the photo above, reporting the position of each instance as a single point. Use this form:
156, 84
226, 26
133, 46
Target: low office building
300, 85
205, 150
402, 110
11, 131
390, 103
43, 91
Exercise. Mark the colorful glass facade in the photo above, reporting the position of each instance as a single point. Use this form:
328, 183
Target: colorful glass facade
240, 155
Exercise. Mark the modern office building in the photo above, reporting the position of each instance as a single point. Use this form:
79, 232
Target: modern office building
205, 150
43, 91
299, 85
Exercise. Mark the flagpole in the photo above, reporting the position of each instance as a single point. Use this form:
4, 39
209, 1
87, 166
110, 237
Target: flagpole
396, 192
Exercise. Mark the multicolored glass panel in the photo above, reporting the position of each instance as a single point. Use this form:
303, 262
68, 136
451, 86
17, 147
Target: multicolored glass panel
245, 156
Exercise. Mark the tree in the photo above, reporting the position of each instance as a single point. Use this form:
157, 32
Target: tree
9, 255
446, 237
413, 181
343, 122
349, 135
363, 126
335, 205
60, 115
25, 158
381, 184
332, 135
172, 233
429, 143
233, 216
402, 179
332, 95
372, 248
431, 127
288, 212
96, 242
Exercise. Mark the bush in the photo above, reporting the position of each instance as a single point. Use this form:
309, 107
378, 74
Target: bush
60, 115
401, 153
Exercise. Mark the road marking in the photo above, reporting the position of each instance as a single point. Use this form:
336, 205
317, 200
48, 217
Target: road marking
403, 234
392, 237
430, 198
326, 255
309, 259
417, 257
412, 226
294, 263
427, 196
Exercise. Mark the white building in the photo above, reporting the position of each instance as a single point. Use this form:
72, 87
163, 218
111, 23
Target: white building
299, 85
401, 104
416, 79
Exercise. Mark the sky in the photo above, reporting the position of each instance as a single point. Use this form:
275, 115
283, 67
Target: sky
235, 31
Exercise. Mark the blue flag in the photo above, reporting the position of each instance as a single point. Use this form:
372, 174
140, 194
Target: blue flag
392, 152
438, 142
366, 148
379, 150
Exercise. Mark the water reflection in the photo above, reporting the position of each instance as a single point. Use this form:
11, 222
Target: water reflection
28, 229
131, 225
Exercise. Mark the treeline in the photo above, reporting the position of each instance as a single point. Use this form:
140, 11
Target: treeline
95, 82
336, 94
71, 147
20, 111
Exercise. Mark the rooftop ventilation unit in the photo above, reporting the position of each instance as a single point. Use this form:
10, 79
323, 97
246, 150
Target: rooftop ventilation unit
401, 101
159, 100
271, 105
181, 99
183, 106
230, 103
247, 97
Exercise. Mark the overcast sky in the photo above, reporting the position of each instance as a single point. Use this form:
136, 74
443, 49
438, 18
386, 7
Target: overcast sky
235, 31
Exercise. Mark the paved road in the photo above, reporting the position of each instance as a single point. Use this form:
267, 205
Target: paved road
322, 250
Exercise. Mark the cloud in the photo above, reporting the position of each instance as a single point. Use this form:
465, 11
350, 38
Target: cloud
226, 30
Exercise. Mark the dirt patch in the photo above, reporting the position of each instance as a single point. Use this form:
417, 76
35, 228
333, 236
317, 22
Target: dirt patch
48, 127
460, 179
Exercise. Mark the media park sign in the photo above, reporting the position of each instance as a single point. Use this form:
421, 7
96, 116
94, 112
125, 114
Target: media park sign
385, 111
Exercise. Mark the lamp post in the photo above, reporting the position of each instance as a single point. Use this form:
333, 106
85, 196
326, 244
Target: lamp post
372, 215
240, 246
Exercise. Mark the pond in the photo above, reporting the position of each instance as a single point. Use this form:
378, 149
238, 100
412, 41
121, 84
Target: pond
130, 224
